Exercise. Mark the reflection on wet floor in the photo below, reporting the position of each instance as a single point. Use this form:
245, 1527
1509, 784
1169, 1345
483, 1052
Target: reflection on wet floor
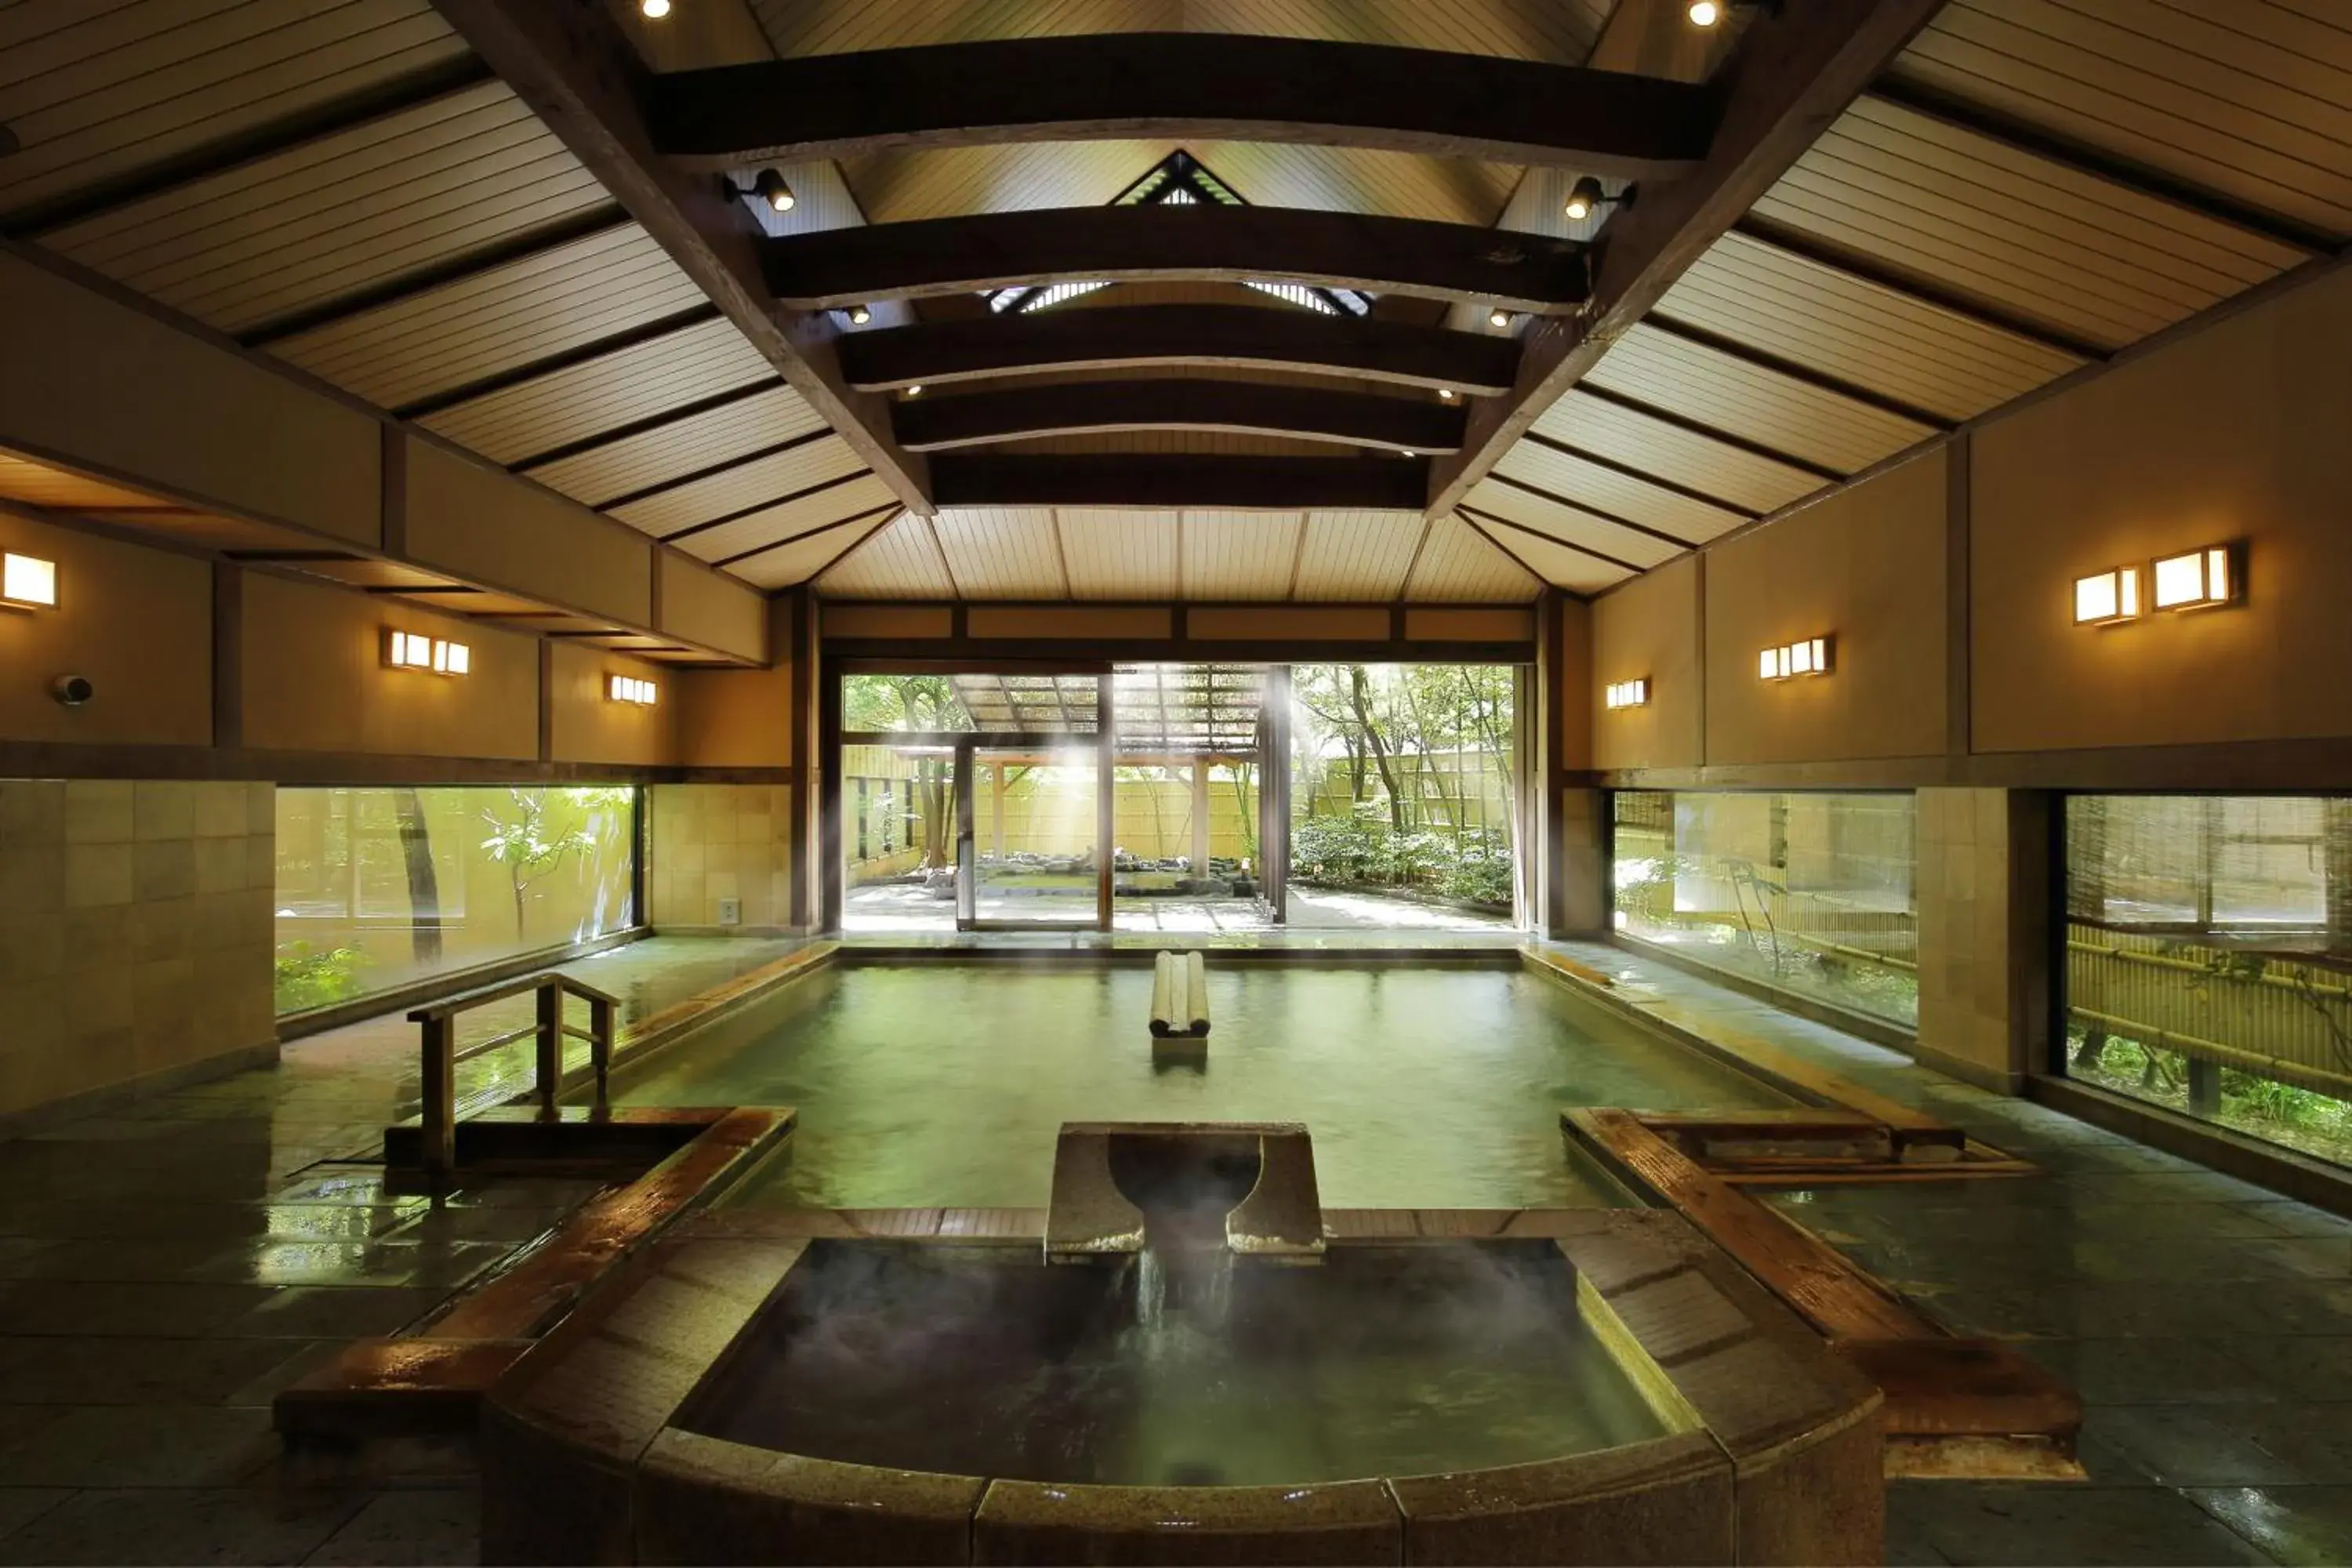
165, 1267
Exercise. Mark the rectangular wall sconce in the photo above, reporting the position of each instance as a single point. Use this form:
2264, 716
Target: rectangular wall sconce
28, 583
1811, 657
2106, 598
411, 651
1628, 693
2199, 579
2194, 580
629, 689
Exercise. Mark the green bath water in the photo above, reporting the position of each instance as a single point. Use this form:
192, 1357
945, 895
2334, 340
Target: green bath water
935, 1085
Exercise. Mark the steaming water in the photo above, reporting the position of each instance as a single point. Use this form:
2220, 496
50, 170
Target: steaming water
944, 1085
1383, 1361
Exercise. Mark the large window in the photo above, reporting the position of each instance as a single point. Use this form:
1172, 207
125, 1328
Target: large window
379, 886
1403, 795
1809, 892
2208, 959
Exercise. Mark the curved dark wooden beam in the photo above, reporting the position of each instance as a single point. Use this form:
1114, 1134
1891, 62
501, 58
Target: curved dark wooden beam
1796, 68
1159, 481
1119, 337
836, 269
1238, 407
1185, 86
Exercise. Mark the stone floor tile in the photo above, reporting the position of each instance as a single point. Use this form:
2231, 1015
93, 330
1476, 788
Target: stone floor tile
435, 1526
140, 1372
177, 1525
165, 1310
2146, 1371
2299, 1525
2193, 1445
2307, 1367
139, 1446
2027, 1526
21, 1505
2298, 1219
278, 1260
329, 1312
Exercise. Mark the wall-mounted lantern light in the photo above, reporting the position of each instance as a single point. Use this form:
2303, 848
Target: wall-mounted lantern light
413, 650
630, 689
28, 583
2199, 579
1628, 693
1811, 657
2106, 598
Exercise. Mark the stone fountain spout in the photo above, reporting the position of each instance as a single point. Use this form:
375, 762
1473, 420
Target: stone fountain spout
1246, 1186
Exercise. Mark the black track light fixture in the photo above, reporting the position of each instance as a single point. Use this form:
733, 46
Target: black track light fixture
773, 191
1586, 197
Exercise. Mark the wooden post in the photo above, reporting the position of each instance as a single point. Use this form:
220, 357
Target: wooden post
551, 1048
1106, 796
600, 1047
437, 1077
1200, 846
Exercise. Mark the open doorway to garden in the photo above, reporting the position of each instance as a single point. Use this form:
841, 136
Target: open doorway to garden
1404, 797
1137, 798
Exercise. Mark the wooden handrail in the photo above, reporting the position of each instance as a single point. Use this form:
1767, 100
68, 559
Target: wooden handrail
440, 1056
481, 994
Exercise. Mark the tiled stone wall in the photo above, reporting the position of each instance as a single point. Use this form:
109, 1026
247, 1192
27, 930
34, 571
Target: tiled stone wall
135, 937
720, 841
1982, 888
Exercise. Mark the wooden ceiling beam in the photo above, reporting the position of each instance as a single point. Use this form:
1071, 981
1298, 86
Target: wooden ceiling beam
1162, 480
1183, 87
836, 269
1123, 337
1796, 69
571, 65
1239, 407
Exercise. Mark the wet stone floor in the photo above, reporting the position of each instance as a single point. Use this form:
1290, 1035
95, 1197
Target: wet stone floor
2206, 1321
165, 1267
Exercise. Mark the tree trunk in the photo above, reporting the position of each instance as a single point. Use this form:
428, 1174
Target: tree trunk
1359, 697
423, 882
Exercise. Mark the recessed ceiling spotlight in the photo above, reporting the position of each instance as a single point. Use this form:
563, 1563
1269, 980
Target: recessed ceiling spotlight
1448, 394
1498, 317
915, 390
1409, 451
1703, 13
773, 191
654, 10
860, 314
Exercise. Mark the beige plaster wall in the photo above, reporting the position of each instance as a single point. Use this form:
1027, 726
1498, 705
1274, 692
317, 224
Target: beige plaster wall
1866, 565
2237, 432
1649, 629
134, 932
137, 622
315, 678
707, 607
710, 842
743, 718
475, 520
585, 725
109, 387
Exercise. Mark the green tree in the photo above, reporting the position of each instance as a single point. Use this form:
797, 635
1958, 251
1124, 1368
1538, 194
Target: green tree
532, 843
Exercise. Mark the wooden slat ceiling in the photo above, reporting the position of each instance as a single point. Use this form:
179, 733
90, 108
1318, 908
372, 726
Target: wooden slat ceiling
2034, 185
1055, 553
